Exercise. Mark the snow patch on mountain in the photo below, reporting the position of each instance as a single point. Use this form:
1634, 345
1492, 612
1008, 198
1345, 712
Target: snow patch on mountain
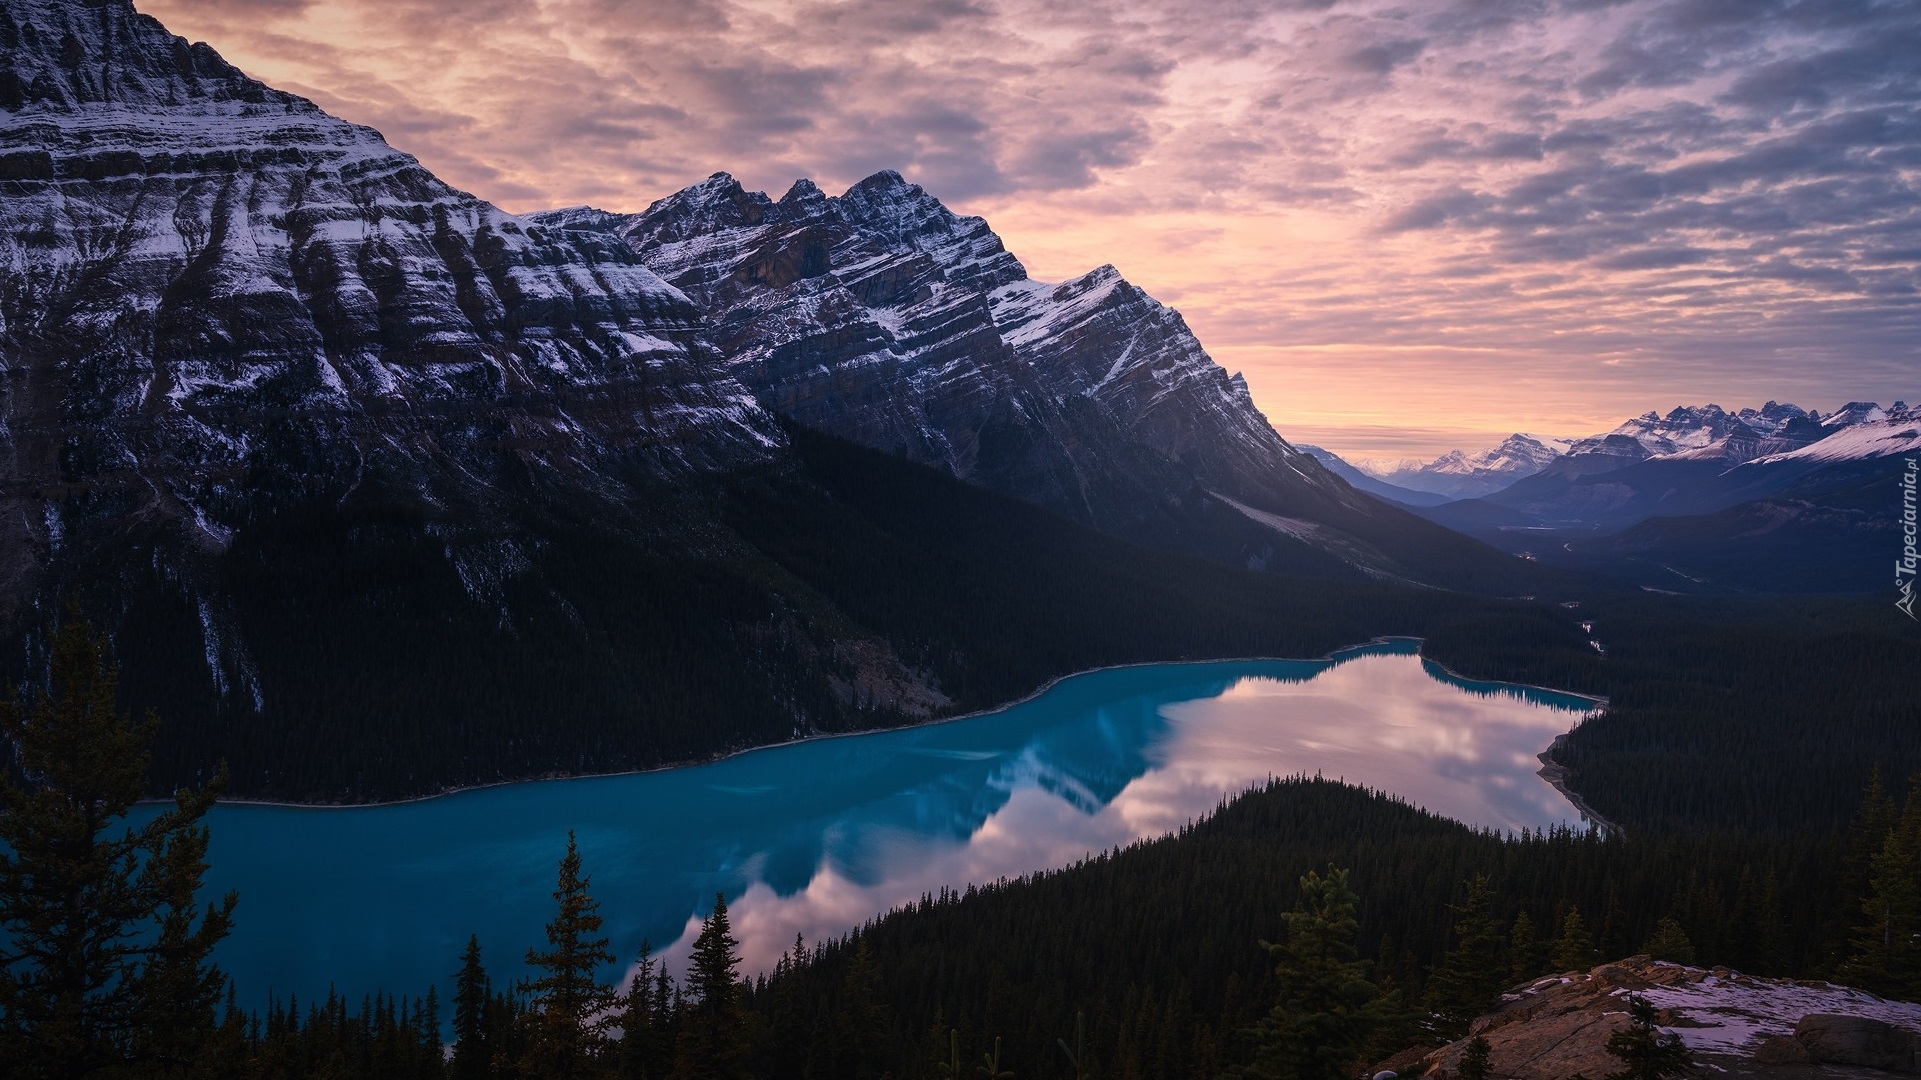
1685, 427
1861, 441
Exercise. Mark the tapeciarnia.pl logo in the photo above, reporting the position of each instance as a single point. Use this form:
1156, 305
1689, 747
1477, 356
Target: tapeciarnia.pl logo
1904, 567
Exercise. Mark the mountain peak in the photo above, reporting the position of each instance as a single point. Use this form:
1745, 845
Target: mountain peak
252, 233
716, 202
1855, 412
803, 190
886, 180
65, 57
903, 217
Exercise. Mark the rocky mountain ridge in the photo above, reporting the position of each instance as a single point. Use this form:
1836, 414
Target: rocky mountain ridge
881, 316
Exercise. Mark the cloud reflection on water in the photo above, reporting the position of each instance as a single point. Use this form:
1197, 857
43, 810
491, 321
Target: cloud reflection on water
817, 837
1144, 767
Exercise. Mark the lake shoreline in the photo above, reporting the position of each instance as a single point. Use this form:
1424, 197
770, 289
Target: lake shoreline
1333, 656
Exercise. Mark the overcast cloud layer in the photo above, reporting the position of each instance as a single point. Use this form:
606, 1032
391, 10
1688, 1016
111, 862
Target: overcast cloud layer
1414, 226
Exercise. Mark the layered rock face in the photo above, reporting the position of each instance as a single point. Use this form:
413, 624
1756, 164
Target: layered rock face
867, 340
216, 294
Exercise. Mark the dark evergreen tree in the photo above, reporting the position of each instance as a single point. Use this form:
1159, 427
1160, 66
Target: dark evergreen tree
1328, 1007
1473, 973
1873, 820
860, 1022
508, 1023
1474, 1059
1574, 950
1670, 942
789, 1015
640, 1028
473, 1051
103, 945
1647, 1052
711, 1043
1886, 958
1771, 956
568, 1002
1527, 953
1613, 942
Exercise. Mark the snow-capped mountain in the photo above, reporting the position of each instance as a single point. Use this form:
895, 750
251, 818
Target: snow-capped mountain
1684, 428
1856, 412
1711, 433
214, 286
1676, 464
1708, 433
881, 316
1460, 475
1895, 431
1776, 499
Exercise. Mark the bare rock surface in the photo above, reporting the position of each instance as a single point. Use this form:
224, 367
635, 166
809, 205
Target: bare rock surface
1735, 1024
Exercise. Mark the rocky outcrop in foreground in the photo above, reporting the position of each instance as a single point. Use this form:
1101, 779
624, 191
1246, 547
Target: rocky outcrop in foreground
1736, 1025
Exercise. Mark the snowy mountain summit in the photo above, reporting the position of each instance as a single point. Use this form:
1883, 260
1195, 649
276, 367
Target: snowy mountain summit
882, 316
1461, 475
1706, 432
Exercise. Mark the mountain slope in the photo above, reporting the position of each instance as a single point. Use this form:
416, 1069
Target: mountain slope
1821, 519
218, 297
1363, 481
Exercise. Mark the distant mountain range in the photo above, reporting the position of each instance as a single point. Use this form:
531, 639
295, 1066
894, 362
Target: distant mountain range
1772, 499
1453, 475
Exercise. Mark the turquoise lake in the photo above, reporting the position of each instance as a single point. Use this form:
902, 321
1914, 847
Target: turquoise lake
816, 837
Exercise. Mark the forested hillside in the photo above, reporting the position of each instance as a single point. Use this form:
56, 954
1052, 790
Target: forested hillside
1158, 944
1723, 714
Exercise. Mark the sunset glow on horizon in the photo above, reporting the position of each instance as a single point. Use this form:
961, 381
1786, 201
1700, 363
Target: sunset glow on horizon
1415, 227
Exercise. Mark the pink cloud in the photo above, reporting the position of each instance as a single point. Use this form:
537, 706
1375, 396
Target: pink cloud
1648, 197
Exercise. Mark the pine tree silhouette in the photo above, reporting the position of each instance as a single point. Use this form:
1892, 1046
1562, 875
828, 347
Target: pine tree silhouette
570, 1004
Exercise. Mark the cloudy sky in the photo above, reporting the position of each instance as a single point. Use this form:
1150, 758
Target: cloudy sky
1414, 225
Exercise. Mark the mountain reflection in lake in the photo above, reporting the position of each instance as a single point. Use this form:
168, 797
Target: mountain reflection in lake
814, 838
